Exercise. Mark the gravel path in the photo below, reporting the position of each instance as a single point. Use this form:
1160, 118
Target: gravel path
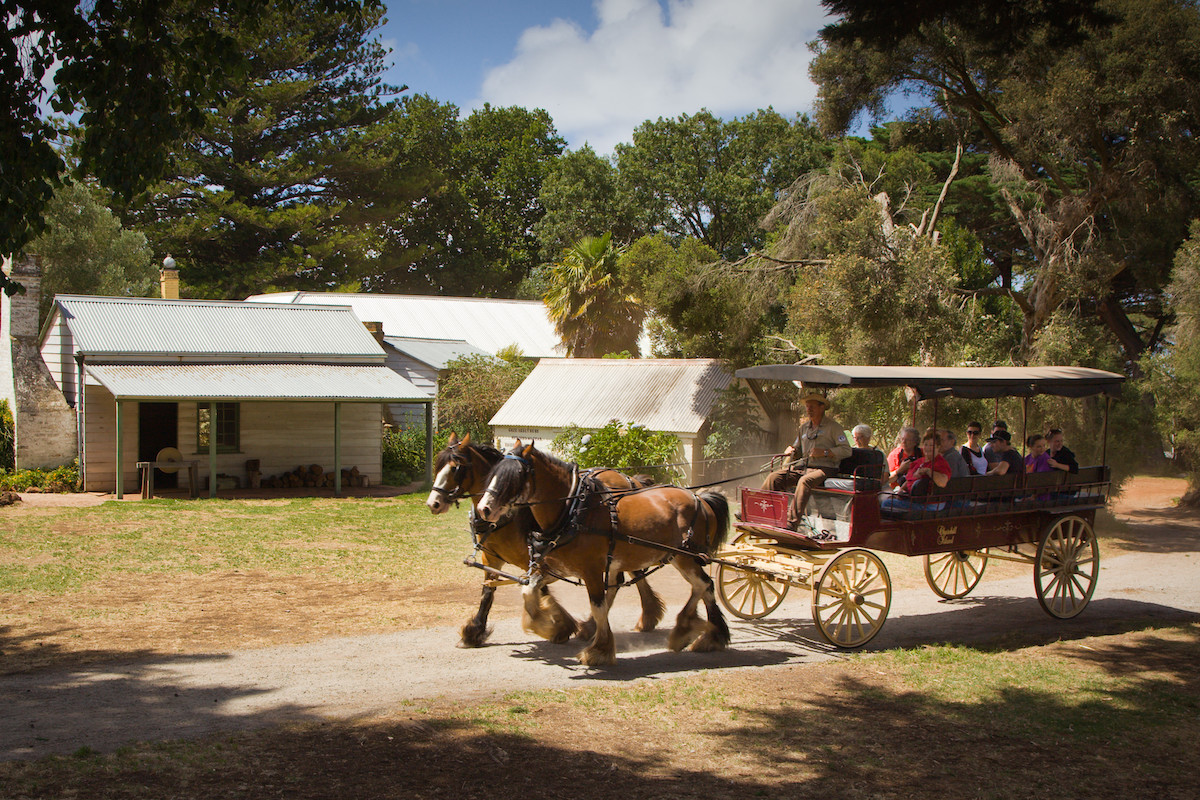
105, 706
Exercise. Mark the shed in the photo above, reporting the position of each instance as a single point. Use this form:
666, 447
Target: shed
422, 363
223, 383
674, 396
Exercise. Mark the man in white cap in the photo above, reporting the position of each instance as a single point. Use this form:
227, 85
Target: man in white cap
819, 448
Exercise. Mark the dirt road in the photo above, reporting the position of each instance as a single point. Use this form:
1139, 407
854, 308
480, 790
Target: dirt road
1149, 570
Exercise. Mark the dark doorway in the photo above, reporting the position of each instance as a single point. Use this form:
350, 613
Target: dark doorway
158, 427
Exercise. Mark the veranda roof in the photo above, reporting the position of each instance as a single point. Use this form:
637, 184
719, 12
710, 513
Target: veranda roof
929, 382
239, 382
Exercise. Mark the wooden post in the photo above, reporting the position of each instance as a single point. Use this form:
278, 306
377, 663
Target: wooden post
1024, 420
212, 449
1104, 439
120, 454
337, 450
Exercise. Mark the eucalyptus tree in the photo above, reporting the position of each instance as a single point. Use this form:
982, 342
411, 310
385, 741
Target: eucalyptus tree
1088, 113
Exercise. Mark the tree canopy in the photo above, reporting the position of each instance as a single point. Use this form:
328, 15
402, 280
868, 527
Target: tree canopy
138, 75
1088, 116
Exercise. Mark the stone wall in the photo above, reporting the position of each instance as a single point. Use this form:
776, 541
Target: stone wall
45, 422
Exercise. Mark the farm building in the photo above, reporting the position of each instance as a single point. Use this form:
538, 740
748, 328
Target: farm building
674, 396
421, 334
484, 323
239, 388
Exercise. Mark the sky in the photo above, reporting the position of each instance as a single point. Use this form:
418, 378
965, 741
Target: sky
602, 67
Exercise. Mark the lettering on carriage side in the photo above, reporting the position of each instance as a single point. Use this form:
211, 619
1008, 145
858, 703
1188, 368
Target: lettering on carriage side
946, 534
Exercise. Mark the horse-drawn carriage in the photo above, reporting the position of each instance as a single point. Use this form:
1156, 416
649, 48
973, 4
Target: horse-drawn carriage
1041, 519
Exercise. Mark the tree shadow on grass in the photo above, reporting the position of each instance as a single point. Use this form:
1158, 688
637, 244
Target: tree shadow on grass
1116, 720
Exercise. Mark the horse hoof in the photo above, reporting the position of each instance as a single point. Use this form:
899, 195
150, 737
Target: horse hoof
645, 625
683, 635
708, 643
473, 636
592, 657
587, 631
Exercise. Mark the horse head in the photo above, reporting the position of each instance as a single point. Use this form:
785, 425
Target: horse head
459, 470
508, 481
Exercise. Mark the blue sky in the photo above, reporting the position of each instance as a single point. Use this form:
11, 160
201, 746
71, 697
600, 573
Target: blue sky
601, 67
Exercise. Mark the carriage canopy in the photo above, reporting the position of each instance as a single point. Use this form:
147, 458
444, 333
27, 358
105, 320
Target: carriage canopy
932, 382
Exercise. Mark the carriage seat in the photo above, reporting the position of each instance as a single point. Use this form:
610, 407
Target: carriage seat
861, 472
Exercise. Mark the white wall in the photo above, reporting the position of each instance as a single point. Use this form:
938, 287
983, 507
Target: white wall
281, 435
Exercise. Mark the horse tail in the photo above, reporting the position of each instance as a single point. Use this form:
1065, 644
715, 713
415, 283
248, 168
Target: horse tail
719, 505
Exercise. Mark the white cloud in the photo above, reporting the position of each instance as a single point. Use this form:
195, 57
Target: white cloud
647, 60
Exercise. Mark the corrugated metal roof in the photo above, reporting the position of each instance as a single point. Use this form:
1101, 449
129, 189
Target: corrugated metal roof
489, 324
672, 395
434, 352
318, 382
115, 326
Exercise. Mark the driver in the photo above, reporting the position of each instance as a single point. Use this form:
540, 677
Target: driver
819, 448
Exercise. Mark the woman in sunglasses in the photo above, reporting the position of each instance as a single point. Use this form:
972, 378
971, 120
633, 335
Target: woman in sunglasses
972, 451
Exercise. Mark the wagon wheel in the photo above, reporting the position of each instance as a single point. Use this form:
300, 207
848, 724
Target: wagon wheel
954, 575
851, 598
1066, 567
747, 594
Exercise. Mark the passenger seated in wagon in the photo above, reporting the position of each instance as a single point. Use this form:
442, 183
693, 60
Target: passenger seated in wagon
817, 452
915, 485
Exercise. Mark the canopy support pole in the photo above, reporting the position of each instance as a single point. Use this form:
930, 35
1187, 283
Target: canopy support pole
337, 449
1024, 422
1104, 438
120, 453
429, 443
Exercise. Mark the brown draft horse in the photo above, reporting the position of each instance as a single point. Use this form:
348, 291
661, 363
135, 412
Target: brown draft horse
461, 469
595, 534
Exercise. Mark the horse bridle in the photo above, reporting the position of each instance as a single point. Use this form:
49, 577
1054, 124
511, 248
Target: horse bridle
462, 467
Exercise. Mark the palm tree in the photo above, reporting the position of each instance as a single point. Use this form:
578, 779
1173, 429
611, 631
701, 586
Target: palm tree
588, 303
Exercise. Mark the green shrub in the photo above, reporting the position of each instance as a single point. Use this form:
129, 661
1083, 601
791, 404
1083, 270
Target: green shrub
7, 438
628, 448
59, 479
404, 454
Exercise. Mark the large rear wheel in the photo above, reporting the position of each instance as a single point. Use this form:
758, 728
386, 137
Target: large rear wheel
954, 575
1066, 567
851, 598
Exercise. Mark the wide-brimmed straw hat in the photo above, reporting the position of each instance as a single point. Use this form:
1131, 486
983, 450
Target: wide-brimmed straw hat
820, 398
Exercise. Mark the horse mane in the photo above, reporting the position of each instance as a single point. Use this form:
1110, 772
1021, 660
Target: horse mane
486, 451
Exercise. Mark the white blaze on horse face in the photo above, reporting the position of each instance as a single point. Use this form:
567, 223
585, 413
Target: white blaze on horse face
488, 508
436, 502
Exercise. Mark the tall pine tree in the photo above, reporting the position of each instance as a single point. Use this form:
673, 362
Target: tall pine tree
283, 186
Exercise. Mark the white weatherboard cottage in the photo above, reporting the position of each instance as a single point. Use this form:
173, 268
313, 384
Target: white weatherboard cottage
222, 383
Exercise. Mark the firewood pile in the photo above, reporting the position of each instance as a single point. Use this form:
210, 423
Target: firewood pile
314, 476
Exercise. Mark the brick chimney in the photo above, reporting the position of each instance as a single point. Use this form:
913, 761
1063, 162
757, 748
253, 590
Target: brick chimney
376, 329
168, 279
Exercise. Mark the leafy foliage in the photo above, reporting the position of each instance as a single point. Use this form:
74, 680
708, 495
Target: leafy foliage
404, 454
8, 437
1174, 374
625, 447
703, 177
85, 250
59, 479
734, 427
138, 74
472, 391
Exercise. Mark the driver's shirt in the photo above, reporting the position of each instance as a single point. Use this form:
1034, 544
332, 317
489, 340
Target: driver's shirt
828, 435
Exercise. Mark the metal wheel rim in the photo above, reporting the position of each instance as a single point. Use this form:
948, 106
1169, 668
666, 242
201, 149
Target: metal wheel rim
955, 574
746, 594
1066, 567
851, 598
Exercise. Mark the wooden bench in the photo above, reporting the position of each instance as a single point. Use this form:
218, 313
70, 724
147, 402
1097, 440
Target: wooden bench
147, 468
